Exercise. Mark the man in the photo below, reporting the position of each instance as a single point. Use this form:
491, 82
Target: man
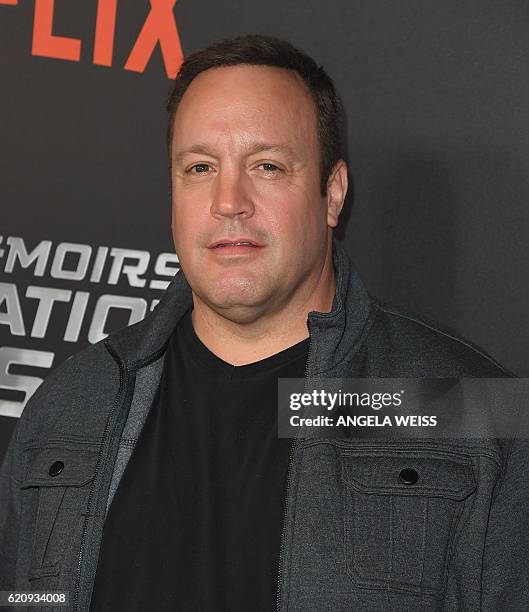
146, 472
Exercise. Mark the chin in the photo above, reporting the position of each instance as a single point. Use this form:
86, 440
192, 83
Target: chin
235, 300
236, 303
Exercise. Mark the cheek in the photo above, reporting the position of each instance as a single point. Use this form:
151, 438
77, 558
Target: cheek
190, 213
297, 213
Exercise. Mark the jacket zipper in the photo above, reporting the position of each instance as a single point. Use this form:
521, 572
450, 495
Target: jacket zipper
92, 487
293, 447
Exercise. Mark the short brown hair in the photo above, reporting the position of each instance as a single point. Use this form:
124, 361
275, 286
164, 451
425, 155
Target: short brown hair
256, 49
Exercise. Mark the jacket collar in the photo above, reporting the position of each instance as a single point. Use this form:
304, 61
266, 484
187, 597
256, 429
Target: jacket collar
334, 335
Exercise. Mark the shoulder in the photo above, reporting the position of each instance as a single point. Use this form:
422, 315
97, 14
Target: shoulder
415, 346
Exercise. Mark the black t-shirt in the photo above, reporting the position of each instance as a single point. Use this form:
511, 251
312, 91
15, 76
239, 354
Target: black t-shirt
195, 523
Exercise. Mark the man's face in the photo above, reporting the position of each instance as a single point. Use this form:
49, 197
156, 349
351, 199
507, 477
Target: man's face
246, 167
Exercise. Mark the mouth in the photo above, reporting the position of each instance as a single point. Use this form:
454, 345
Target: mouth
239, 243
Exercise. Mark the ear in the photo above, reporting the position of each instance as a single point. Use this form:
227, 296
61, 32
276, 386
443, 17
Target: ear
336, 192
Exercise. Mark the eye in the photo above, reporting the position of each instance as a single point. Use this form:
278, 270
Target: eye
200, 169
268, 167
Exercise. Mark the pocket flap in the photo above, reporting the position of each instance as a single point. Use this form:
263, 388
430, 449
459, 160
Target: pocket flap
59, 467
388, 472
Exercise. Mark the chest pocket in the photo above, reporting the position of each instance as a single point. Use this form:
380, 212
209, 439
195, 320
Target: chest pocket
56, 489
401, 513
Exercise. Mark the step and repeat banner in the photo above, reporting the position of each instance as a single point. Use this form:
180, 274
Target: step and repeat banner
437, 101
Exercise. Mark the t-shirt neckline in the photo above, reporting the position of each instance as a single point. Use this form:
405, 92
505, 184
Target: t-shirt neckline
217, 367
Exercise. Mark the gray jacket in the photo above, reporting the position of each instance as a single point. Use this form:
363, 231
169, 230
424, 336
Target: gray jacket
354, 538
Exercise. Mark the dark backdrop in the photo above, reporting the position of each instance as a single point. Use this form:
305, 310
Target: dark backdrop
438, 104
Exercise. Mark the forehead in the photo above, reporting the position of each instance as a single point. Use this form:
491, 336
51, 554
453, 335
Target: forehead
247, 102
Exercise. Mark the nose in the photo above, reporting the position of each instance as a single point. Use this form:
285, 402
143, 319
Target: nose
231, 195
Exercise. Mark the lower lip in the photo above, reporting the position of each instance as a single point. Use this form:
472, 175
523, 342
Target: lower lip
235, 250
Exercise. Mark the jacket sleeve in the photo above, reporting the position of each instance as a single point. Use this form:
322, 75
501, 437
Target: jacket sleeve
505, 577
9, 512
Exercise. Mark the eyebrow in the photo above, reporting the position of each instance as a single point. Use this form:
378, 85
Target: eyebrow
256, 147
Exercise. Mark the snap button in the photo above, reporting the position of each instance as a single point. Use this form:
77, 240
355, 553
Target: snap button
56, 468
408, 476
